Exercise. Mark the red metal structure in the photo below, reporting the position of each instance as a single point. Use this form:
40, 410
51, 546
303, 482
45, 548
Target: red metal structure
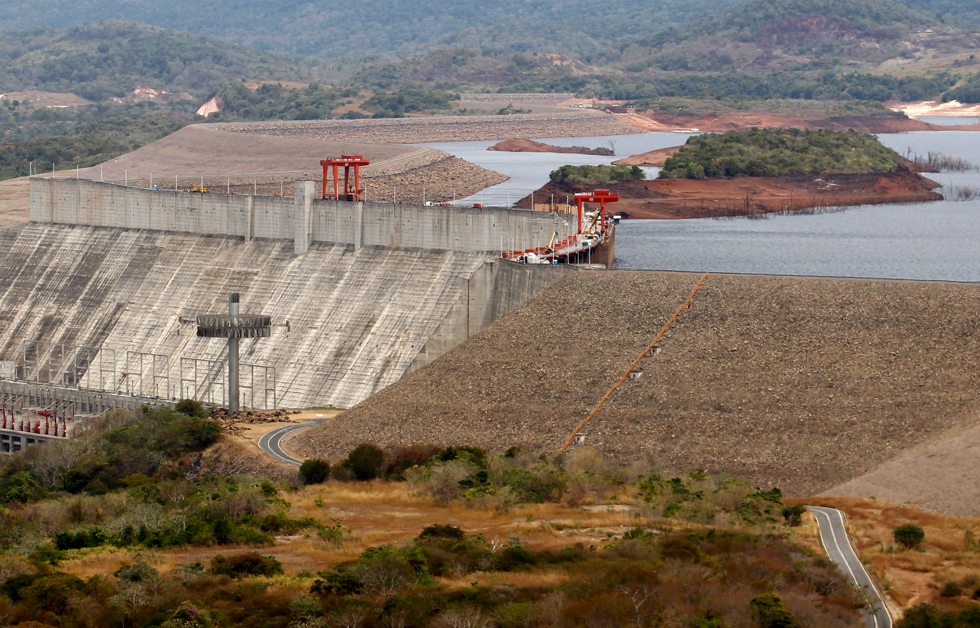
597, 196
350, 193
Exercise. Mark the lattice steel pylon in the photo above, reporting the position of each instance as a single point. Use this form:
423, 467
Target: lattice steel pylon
233, 327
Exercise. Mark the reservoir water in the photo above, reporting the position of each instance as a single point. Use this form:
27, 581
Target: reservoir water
924, 241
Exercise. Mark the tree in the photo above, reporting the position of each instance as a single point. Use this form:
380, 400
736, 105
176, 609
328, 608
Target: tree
909, 536
794, 515
771, 612
314, 471
366, 462
384, 574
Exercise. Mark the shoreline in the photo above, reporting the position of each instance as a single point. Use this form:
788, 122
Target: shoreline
671, 199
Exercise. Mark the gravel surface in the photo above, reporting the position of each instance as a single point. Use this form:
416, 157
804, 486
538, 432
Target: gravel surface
790, 382
579, 123
432, 173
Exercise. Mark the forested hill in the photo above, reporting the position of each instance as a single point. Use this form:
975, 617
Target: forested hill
309, 28
110, 59
760, 20
962, 10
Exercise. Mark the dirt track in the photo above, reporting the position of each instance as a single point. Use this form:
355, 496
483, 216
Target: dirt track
651, 121
577, 123
792, 382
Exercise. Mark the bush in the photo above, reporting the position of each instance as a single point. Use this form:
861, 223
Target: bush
951, 589
516, 557
442, 532
192, 408
314, 471
247, 564
909, 536
771, 612
794, 515
79, 540
594, 175
366, 462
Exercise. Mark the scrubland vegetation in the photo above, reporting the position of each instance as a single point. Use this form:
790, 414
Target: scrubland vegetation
106, 530
775, 152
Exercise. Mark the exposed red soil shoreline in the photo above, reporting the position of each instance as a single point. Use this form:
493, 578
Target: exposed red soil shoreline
708, 198
530, 146
651, 121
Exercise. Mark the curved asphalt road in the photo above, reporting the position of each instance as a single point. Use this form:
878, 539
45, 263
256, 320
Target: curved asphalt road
271, 443
834, 539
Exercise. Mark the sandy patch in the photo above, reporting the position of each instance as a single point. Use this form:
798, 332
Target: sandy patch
934, 108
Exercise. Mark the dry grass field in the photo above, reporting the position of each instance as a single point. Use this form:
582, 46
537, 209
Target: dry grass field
790, 382
381, 513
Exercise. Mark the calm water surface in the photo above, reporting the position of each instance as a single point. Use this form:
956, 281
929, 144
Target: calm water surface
928, 241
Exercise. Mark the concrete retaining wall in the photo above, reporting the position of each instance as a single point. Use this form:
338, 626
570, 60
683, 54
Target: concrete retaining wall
302, 218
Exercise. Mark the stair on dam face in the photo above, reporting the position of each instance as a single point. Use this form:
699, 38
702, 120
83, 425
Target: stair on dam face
356, 319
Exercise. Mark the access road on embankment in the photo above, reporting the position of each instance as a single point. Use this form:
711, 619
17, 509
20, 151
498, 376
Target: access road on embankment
271, 443
833, 535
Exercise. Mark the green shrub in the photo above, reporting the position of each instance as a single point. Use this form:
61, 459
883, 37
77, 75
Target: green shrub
366, 462
951, 589
247, 564
794, 515
442, 532
596, 175
909, 536
314, 471
93, 537
516, 557
192, 408
771, 612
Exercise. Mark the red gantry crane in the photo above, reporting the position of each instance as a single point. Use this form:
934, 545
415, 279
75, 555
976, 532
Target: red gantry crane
350, 192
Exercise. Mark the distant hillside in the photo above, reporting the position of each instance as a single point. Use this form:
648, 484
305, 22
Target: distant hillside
454, 68
112, 58
784, 21
767, 35
955, 10
311, 28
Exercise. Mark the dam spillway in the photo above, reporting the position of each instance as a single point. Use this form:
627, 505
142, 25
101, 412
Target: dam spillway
359, 292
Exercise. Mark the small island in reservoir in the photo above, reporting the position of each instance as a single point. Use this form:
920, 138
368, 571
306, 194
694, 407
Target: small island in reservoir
753, 172
530, 146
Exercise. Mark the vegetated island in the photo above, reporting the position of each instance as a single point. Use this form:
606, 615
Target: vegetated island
755, 172
530, 146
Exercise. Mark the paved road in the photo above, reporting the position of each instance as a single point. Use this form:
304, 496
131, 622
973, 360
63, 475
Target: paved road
834, 539
271, 443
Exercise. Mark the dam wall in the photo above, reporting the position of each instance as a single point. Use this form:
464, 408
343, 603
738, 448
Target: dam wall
101, 290
356, 319
303, 218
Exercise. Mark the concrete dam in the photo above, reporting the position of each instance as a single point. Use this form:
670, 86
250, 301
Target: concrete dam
100, 291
